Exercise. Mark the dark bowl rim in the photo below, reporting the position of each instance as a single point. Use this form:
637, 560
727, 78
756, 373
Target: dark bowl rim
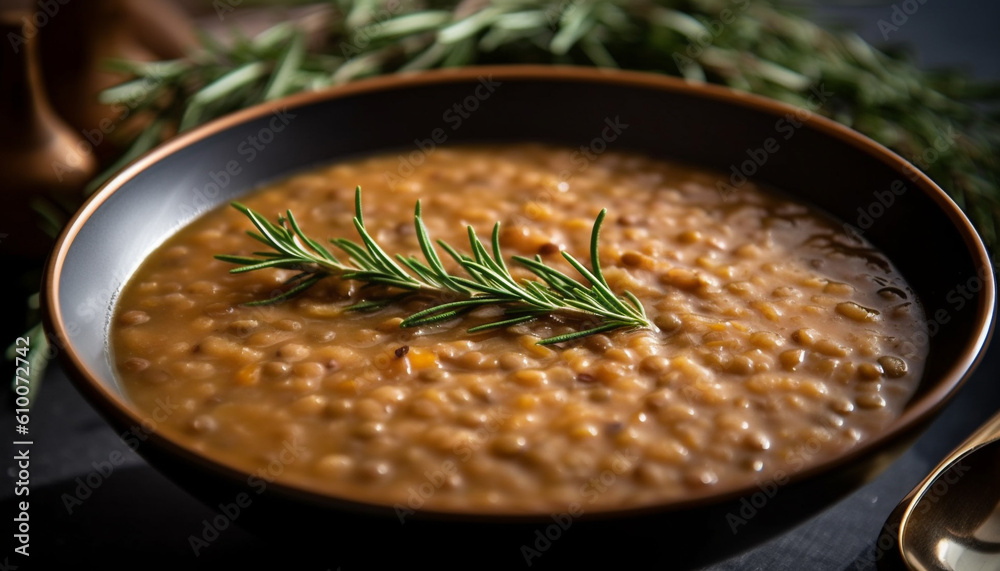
914, 417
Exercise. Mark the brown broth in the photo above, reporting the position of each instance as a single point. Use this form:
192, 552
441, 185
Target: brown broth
773, 350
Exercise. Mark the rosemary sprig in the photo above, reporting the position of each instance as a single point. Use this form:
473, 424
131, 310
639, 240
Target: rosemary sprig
489, 281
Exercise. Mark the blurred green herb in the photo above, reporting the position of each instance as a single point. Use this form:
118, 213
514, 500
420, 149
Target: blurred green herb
935, 119
489, 282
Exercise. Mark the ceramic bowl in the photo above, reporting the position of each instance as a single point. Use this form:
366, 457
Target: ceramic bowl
871, 190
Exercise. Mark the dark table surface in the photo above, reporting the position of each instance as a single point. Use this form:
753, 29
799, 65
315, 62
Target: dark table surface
135, 518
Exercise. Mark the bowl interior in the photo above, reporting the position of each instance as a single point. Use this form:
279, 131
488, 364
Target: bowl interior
874, 192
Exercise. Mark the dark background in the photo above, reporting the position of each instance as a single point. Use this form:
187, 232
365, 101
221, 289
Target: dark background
136, 518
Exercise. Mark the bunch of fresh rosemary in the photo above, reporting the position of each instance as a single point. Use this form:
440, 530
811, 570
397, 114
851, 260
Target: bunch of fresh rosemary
489, 282
934, 119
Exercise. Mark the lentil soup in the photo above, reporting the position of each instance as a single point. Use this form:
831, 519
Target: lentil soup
779, 341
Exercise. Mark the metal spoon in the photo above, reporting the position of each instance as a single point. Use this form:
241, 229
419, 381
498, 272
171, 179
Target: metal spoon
951, 520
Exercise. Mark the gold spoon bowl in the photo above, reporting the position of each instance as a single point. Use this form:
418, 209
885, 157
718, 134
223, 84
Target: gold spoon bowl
951, 520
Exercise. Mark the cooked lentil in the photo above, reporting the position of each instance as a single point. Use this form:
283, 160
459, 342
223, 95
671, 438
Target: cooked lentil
774, 348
